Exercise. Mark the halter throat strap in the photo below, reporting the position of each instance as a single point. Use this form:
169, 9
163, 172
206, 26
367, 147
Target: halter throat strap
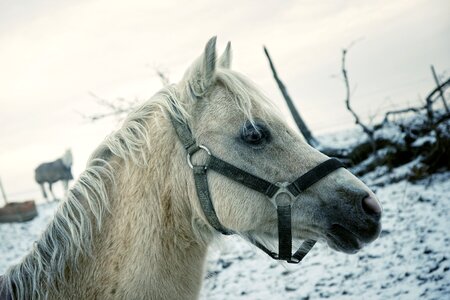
282, 195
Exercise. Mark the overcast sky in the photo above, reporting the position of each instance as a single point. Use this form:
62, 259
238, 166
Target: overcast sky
54, 52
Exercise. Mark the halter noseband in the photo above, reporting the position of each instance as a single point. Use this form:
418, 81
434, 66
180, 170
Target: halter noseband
281, 195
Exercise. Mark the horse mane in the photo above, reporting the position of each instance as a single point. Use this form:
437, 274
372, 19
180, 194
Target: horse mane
70, 234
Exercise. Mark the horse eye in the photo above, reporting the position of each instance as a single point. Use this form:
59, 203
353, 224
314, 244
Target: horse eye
254, 134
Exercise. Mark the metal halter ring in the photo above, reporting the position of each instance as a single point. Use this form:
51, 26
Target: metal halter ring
189, 155
283, 196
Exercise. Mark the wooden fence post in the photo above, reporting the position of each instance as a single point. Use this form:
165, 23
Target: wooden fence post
3, 192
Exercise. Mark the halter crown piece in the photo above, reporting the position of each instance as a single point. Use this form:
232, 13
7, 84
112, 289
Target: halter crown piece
282, 194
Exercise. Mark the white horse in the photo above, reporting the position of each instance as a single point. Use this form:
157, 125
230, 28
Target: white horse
133, 226
51, 172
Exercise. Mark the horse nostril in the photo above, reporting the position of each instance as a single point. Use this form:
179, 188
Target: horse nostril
371, 206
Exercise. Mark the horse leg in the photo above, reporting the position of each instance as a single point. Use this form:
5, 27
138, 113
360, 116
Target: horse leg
44, 193
51, 191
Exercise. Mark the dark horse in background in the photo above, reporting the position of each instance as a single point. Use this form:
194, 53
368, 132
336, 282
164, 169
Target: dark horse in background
52, 172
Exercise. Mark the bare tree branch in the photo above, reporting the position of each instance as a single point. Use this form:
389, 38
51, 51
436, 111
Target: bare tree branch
366, 129
426, 106
119, 106
429, 109
399, 111
295, 114
96, 117
163, 76
441, 93
116, 107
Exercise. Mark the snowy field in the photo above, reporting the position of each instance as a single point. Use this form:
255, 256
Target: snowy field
410, 260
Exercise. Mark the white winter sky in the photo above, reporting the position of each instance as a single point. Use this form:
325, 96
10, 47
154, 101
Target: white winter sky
54, 52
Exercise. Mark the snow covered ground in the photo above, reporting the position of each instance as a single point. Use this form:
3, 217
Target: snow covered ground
410, 260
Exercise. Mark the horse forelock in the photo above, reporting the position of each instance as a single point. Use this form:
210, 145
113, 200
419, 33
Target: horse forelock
247, 97
244, 93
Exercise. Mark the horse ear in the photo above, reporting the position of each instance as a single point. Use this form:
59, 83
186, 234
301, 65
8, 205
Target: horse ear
225, 58
209, 61
202, 77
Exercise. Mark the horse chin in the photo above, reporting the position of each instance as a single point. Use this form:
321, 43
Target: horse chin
341, 239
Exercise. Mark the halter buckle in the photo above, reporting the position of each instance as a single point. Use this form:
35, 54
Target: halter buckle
283, 197
196, 149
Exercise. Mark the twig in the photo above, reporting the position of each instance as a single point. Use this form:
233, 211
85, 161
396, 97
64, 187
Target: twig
120, 105
366, 129
400, 111
441, 93
103, 102
295, 114
437, 89
97, 117
429, 101
429, 109
116, 107
164, 78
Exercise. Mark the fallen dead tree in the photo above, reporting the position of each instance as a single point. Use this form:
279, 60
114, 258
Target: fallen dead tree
414, 141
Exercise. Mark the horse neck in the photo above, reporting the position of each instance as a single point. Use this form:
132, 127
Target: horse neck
147, 247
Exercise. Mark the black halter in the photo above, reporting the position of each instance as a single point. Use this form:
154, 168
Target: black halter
281, 195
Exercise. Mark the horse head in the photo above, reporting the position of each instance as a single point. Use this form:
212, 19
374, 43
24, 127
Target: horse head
231, 119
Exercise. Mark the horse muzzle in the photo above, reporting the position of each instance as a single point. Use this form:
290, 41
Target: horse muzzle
360, 228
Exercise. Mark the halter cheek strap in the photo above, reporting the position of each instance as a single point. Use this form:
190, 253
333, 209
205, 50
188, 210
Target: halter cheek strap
281, 195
